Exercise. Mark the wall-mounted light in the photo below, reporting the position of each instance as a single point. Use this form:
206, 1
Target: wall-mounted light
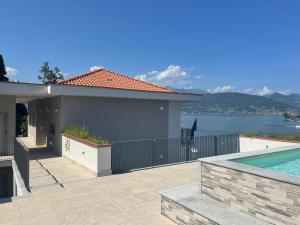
161, 108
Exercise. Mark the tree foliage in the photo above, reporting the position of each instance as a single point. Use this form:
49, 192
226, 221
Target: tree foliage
21, 119
48, 75
2, 70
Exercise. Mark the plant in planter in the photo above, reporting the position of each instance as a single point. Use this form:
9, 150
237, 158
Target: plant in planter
83, 133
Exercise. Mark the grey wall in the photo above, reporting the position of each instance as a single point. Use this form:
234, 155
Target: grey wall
44, 125
6, 182
37, 122
54, 125
117, 119
8, 106
111, 118
174, 123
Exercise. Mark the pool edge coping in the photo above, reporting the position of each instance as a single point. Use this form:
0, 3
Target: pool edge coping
223, 161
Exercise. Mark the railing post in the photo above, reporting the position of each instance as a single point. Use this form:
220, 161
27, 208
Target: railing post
238, 142
216, 150
187, 149
153, 152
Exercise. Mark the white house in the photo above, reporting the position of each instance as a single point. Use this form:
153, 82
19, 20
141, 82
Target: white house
111, 105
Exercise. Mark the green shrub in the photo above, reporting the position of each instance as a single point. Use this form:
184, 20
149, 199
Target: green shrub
82, 132
279, 137
286, 137
251, 134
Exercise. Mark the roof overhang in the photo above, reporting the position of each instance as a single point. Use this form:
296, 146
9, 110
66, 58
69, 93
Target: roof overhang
69, 90
23, 91
26, 92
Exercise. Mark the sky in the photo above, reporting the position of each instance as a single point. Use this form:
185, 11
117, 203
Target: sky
250, 46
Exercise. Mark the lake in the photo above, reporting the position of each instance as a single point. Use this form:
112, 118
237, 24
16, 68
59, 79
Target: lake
261, 124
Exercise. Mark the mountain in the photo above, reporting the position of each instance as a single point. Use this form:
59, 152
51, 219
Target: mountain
192, 91
237, 103
292, 99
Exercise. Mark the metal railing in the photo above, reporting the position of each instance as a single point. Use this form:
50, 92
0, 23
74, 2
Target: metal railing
128, 155
22, 160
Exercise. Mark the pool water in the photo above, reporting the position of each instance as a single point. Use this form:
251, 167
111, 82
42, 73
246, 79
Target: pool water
283, 162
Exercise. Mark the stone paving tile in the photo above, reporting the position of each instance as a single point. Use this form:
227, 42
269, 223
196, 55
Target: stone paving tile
123, 199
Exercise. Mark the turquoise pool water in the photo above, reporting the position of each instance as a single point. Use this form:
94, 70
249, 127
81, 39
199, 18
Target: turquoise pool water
283, 162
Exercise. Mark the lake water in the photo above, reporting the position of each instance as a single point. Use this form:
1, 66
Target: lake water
260, 124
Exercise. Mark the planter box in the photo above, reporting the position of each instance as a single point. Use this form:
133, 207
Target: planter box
95, 158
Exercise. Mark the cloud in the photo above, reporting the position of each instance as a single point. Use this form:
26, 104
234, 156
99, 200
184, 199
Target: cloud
92, 68
248, 90
173, 76
223, 89
172, 73
142, 77
197, 77
285, 92
11, 72
264, 91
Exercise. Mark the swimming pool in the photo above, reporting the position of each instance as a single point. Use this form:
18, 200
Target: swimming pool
284, 162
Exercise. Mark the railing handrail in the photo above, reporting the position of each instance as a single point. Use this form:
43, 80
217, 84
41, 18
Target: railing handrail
147, 153
165, 138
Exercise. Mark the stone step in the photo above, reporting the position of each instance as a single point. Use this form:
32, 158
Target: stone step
185, 205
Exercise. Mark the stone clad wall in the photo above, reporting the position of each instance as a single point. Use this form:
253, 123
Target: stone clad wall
273, 201
182, 215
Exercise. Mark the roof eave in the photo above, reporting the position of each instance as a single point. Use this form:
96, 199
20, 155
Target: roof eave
68, 90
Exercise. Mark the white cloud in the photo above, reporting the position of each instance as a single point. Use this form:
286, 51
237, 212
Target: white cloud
142, 77
247, 90
171, 73
92, 68
11, 72
285, 92
153, 72
223, 89
173, 76
264, 91
198, 77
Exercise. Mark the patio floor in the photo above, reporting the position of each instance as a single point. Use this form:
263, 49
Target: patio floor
49, 170
124, 199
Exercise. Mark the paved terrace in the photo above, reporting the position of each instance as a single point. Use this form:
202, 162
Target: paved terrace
124, 199
64, 193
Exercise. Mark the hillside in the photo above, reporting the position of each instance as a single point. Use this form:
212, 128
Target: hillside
237, 103
292, 99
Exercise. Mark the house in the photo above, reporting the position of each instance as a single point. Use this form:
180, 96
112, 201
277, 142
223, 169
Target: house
109, 104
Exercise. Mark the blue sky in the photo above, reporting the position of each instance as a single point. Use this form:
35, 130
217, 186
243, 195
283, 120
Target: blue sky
250, 46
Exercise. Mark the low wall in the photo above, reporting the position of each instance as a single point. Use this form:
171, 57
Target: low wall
274, 201
95, 158
182, 215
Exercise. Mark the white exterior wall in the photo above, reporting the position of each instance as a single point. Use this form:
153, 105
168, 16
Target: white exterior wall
8, 106
98, 160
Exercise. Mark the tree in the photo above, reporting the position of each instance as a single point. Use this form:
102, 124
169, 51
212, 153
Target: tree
2, 70
48, 75
21, 119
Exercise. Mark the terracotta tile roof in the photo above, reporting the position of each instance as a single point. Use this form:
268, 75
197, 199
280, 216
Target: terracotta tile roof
106, 79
